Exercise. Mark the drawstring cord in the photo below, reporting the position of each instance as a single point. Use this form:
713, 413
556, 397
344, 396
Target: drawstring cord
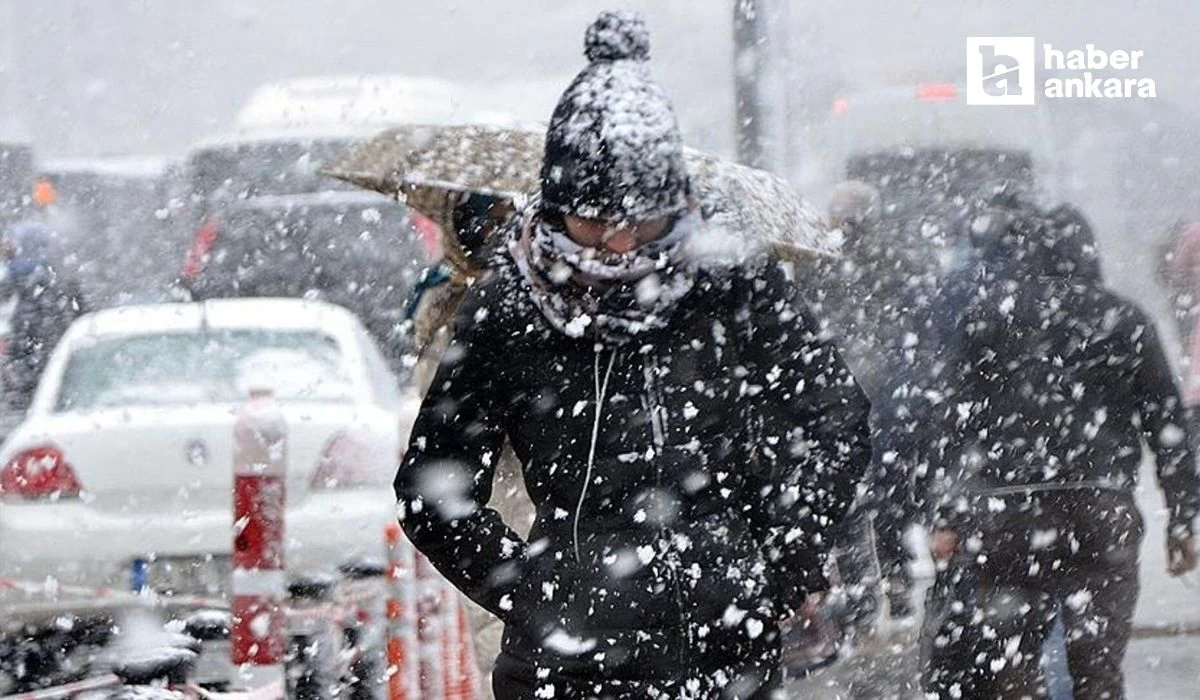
601, 390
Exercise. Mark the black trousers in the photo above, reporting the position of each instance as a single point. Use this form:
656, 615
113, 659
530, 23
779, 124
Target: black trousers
1072, 553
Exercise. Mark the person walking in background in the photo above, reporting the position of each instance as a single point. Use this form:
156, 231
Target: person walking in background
475, 220
1179, 270
1058, 385
861, 295
48, 300
686, 436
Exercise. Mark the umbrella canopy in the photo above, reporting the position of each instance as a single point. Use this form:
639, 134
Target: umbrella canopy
762, 207
433, 167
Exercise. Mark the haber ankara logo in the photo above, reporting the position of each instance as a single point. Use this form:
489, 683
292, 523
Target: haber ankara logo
1000, 70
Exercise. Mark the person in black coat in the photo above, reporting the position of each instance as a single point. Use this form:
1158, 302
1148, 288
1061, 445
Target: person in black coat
48, 300
862, 295
1059, 385
687, 437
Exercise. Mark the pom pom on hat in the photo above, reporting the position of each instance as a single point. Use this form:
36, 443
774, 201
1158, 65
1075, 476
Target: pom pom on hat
617, 36
613, 147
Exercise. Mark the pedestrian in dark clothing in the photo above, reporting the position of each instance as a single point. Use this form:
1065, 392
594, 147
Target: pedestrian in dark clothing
989, 213
48, 300
1060, 384
862, 294
686, 436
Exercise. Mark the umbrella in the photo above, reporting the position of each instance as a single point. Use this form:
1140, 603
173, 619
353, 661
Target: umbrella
762, 206
433, 167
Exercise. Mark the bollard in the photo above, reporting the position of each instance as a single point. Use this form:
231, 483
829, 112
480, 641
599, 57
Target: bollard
430, 631
448, 621
401, 610
365, 583
212, 629
259, 464
311, 639
146, 666
468, 686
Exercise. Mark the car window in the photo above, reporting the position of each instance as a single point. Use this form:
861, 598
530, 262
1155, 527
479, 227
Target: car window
358, 255
210, 367
257, 168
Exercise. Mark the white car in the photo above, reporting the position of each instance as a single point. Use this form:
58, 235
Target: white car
125, 458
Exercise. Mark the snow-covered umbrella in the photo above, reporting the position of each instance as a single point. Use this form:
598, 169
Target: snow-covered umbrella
762, 207
432, 167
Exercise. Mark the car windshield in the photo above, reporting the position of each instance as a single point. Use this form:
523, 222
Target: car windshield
214, 367
357, 254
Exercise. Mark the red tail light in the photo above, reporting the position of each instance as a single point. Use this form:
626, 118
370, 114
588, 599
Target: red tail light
39, 473
347, 463
937, 92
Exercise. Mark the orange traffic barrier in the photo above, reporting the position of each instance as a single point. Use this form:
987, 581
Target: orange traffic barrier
402, 650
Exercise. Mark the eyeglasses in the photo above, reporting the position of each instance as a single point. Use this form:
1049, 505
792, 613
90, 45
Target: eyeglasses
617, 237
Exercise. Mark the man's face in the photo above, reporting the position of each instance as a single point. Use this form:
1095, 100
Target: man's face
614, 237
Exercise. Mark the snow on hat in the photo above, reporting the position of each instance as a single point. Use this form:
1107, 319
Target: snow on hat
613, 149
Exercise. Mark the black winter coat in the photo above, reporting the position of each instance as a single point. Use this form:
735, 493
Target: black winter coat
47, 303
684, 482
1058, 384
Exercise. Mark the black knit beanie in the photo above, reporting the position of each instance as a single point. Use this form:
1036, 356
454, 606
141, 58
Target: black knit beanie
613, 149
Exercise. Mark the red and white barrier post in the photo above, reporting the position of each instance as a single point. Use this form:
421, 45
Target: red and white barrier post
430, 631
402, 650
467, 687
259, 466
70, 690
451, 671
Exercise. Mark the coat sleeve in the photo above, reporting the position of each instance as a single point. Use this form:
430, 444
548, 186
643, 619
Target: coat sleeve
1165, 428
809, 438
444, 482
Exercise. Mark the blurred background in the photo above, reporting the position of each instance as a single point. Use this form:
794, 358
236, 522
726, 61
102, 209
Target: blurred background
120, 78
